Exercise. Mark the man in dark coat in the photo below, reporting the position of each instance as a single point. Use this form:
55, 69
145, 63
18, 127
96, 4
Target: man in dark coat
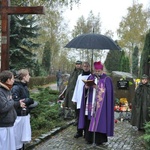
58, 79
71, 85
141, 104
70, 88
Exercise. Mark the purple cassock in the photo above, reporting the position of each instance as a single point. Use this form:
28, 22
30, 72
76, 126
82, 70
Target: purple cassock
102, 120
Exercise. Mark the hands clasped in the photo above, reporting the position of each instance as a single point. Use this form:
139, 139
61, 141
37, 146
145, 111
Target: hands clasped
22, 104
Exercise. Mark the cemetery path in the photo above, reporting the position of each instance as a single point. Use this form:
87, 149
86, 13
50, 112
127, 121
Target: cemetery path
125, 138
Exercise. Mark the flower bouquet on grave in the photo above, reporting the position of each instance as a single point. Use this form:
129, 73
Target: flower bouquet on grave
117, 106
124, 106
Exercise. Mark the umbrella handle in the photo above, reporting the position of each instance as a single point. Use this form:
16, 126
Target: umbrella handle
92, 62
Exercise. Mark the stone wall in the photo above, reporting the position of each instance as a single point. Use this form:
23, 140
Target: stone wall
123, 93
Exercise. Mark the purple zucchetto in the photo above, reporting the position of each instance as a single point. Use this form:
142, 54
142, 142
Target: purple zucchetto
98, 65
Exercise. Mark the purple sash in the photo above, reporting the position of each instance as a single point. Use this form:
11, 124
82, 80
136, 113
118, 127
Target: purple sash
98, 105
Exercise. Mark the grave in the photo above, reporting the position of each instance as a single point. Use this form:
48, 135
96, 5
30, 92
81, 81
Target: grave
124, 86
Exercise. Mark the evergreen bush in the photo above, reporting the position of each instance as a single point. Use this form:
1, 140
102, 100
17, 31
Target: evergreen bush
146, 136
46, 115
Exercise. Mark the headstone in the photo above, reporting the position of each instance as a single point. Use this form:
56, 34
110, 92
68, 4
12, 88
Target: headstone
120, 91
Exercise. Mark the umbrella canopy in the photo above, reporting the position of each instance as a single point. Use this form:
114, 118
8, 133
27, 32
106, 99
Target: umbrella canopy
93, 41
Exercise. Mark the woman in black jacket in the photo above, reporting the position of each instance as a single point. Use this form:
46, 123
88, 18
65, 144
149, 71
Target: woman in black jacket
22, 125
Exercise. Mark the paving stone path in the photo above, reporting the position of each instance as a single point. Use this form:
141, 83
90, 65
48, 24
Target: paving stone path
125, 138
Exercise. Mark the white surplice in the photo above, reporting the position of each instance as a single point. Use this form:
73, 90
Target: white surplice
78, 91
22, 129
7, 140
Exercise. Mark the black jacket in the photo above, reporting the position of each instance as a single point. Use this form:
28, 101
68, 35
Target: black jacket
7, 111
20, 91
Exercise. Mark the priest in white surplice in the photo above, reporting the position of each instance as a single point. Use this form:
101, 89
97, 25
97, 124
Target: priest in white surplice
78, 91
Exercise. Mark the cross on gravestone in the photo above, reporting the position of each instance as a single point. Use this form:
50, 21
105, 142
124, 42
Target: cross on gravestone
5, 11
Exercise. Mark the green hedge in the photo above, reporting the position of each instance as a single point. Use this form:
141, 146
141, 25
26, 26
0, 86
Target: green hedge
39, 81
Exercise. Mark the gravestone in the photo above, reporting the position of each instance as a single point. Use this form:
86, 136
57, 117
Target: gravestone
120, 92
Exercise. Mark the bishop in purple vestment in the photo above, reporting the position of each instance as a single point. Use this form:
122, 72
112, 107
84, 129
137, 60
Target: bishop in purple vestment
97, 107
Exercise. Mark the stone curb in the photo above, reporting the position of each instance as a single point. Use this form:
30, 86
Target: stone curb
47, 136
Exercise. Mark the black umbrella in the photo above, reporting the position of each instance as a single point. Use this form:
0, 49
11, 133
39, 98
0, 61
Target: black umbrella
93, 41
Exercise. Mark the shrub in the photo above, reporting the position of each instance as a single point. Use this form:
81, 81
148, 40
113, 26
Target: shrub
146, 136
46, 115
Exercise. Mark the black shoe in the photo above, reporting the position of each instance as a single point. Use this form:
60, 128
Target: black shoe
77, 135
98, 144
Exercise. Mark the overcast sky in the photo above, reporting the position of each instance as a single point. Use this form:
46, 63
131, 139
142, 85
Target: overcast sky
111, 11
